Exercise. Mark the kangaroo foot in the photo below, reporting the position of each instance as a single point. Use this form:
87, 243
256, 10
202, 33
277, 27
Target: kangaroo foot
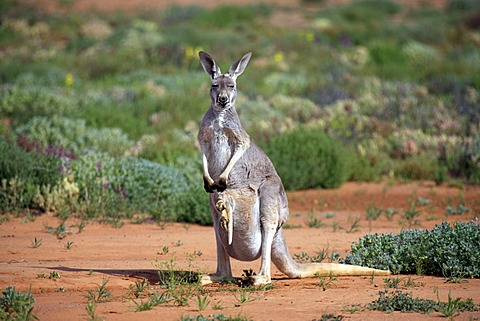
205, 279
260, 280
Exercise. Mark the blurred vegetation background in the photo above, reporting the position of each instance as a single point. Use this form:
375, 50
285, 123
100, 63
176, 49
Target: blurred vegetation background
99, 111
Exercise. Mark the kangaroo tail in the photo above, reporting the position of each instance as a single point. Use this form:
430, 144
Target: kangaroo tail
285, 263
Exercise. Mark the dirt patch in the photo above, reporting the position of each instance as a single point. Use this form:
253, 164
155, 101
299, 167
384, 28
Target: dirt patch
133, 252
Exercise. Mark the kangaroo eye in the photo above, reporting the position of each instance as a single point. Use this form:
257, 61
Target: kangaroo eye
231, 86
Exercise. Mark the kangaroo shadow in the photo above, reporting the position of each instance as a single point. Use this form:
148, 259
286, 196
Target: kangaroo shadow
161, 277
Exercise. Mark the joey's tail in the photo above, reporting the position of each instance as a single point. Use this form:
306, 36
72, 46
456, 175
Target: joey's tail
285, 263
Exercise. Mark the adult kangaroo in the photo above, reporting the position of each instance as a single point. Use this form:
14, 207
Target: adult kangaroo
247, 198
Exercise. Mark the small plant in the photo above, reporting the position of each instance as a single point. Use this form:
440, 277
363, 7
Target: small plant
411, 215
460, 210
423, 201
243, 296
400, 301
203, 302
313, 221
36, 243
17, 305
373, 212
139, 287
52, 275
69, 245
164, 251
61, 231
323, 282
390, 213
392, 282
178, 243
329, 317
410, 282
101, 294
451, 307
154, 299
354, 225
90, 308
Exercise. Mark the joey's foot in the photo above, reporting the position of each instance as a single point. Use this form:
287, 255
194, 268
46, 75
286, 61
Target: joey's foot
205, 279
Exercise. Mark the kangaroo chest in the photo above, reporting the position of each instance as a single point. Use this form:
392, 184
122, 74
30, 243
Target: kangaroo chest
218, 143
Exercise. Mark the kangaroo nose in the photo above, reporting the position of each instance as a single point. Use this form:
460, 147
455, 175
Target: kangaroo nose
222, 100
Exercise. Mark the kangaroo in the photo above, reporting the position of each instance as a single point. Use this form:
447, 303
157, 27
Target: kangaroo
247, 199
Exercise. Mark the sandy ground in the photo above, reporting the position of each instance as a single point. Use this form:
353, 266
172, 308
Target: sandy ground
135, 251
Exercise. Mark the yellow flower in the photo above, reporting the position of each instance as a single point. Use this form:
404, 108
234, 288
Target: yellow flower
278, 57
191, 53
309, 36
69, 80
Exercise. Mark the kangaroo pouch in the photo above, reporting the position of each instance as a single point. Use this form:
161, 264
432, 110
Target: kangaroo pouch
237, 213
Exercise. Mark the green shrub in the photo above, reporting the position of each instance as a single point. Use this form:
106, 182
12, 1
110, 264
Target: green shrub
23, 174
167, 193
285, 84
417, 167
306, 158
16, 305
443, 251
23, 102
464, 160
74, 135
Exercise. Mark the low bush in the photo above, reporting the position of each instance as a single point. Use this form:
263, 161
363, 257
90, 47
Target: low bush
306, 158
24, 174
74, 135
22, 102
464, 160
168, 193
446, 250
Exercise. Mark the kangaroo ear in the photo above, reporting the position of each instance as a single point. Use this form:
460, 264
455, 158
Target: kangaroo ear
209, 65
237, 68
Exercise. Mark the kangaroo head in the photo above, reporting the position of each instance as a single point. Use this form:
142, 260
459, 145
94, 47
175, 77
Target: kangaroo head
223, 90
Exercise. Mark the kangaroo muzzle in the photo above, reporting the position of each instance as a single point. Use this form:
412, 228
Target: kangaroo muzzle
222, 100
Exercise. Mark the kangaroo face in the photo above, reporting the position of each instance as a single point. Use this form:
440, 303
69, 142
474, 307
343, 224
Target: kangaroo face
223, 92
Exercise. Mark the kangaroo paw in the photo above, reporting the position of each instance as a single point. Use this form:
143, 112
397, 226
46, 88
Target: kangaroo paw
206, 185
220, 185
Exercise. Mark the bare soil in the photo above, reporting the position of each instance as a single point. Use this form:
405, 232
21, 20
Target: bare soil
128, 254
